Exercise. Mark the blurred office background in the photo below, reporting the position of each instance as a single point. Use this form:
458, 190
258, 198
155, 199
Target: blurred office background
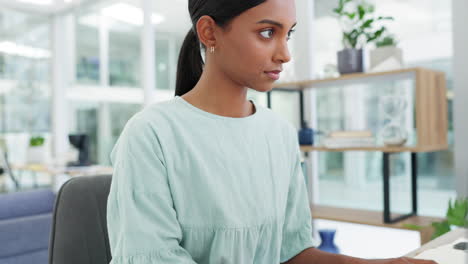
82, 67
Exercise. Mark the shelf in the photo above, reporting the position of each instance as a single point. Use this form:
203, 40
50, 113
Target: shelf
429, 106
373, 218
366, 217
300, 85
377, 148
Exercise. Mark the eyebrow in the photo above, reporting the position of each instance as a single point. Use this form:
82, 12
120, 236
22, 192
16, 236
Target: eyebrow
272, 22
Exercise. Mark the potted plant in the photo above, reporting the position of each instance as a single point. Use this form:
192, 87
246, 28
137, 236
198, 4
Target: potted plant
357, 21
456, 217
37, 152
386, 56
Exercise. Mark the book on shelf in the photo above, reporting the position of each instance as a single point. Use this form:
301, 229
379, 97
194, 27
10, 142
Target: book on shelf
349, 139
349, 143
350, 134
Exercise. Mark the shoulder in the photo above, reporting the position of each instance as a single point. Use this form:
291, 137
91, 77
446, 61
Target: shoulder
147, 120
141, 133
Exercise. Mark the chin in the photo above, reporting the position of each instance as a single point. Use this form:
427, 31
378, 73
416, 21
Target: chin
263, 87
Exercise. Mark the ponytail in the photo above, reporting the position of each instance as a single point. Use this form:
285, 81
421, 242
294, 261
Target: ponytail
189, 65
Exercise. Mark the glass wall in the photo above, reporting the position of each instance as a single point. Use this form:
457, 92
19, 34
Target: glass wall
124, 53
87, 47
24, 80
115, 27
167, 47
163, 67
102, 122
354, 179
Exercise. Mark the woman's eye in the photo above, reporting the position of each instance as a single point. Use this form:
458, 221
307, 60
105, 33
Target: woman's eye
269, 33
290, 33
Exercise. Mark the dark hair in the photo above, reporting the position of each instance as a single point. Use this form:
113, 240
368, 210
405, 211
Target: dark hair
190, 63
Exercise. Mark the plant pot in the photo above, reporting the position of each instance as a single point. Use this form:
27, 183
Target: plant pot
385, 59
350, 61
36, 155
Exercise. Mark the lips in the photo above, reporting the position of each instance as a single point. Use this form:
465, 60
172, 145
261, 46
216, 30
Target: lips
273, 74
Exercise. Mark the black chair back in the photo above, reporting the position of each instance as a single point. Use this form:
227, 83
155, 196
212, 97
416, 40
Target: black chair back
79, 227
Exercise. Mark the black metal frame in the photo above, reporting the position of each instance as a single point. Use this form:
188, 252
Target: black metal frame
385, 170
9, 171
386, 189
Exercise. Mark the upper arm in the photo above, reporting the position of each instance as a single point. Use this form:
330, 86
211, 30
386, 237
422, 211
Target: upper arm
297, 227
142, 220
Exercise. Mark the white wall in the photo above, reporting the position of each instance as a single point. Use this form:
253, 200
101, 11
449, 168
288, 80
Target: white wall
304, 70
460, 70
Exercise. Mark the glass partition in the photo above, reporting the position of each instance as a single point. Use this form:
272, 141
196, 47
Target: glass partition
124, 54
87, 47
24, 80
102, 122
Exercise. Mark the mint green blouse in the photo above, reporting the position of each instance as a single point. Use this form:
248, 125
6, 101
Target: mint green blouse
190, 186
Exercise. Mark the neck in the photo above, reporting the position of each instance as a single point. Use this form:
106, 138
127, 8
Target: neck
217, 94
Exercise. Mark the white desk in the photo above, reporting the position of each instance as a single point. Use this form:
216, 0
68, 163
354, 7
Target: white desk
445, 239
54, 171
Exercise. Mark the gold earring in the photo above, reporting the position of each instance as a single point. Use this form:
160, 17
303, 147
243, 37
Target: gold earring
212, 49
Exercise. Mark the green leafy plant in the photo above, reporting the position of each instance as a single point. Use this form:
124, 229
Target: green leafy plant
386, 41
357, 20
457, 215
36, 141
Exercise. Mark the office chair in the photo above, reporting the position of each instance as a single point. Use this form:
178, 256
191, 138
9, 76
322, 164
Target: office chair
79, 227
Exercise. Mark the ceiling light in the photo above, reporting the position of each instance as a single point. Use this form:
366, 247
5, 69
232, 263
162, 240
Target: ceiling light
37, 2
12, 48
129, 14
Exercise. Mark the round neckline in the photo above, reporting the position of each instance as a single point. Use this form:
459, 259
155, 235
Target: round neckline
211, 115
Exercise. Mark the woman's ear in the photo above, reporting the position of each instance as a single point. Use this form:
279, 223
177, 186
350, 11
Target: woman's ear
206, 31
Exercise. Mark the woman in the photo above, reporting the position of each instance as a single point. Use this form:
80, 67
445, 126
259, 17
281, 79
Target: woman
208, 176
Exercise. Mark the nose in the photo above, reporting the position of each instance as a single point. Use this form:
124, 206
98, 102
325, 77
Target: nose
282, 54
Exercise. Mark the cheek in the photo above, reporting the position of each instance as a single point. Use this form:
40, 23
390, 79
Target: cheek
251, 55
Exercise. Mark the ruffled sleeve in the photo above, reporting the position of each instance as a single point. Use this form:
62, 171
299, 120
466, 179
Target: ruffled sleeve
141, 219
297, 227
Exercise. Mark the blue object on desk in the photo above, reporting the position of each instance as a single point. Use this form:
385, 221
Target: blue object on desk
327, 236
